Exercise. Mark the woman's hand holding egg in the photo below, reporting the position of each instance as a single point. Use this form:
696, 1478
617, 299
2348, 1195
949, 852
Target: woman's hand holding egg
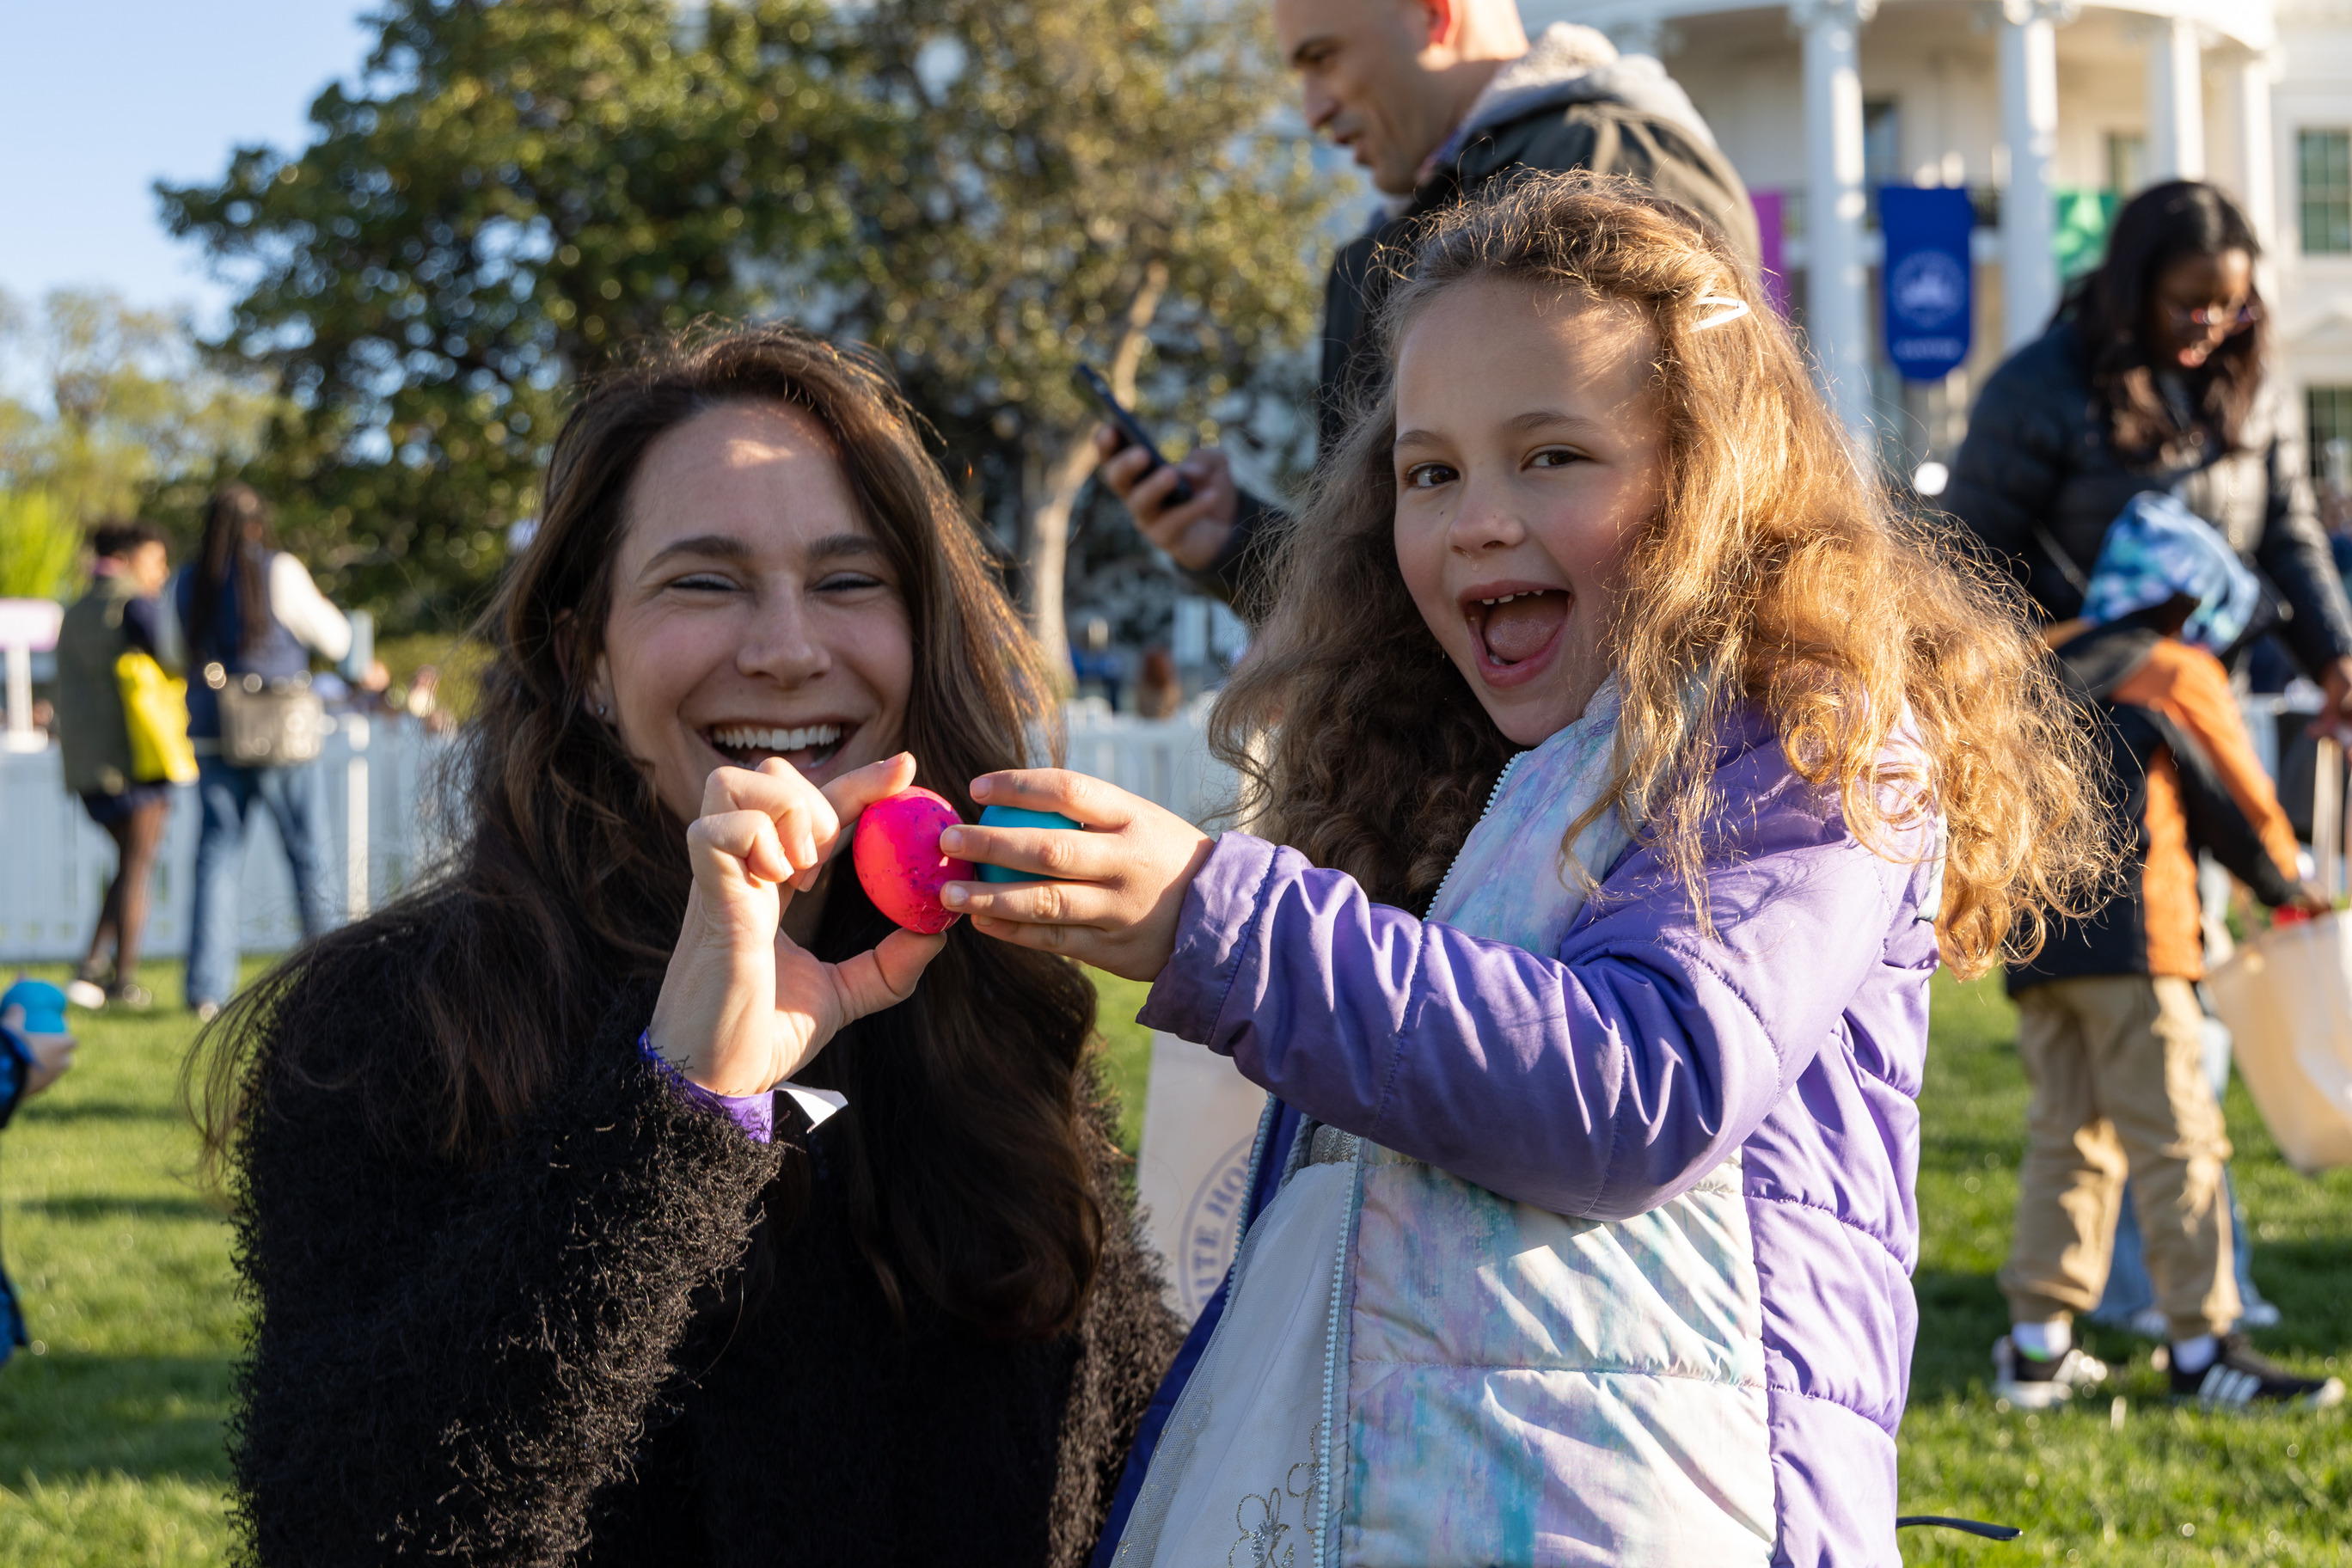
743, 1006
1114, 892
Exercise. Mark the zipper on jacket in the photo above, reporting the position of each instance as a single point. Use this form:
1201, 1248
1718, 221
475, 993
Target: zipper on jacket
1336, 1339
1266, 1119
1492, 797
1335, 1336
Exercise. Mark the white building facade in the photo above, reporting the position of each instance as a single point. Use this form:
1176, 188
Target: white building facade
2049, 113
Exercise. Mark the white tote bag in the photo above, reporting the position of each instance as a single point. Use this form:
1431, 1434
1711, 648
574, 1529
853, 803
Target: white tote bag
2287, 998
1199, 1120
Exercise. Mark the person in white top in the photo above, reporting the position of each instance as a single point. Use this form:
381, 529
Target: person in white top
246, 614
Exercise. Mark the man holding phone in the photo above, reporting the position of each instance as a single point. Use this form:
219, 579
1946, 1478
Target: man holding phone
1435, 98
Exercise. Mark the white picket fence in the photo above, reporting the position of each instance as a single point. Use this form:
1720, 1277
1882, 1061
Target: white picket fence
55, 862
1165, 760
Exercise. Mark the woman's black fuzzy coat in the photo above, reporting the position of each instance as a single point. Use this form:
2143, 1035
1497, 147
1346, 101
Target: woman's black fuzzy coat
562, 1357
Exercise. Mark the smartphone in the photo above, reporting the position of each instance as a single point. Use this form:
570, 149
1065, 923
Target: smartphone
1119, 419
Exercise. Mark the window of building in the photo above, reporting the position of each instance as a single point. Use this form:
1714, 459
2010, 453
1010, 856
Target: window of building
2327, 411
1882, 142
2324, 173
2126, 162
1882, 154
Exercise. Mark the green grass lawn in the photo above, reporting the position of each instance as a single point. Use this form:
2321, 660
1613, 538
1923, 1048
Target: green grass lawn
110, 1438
111, 1431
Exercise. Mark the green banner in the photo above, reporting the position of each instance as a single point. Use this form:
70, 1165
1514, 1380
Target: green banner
2084, 215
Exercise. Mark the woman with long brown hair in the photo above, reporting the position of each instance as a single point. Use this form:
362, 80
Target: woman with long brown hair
543, 1272
243, 619
2154, 374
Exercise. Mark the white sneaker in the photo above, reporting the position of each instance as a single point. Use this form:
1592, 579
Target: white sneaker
2238, 1379
2032, 1385
83, 994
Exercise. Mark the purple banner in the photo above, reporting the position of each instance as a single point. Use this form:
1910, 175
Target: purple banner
1770, 221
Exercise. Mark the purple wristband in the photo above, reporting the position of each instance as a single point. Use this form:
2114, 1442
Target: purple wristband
755, 1113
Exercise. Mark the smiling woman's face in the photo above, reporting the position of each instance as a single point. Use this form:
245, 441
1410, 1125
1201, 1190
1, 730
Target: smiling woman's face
754, 613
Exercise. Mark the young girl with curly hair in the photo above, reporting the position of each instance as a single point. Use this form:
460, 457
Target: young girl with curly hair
1620, 771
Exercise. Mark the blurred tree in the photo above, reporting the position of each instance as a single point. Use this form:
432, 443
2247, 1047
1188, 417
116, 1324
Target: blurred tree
1067, 182
991, 190
134, 419
41, 544
509, 193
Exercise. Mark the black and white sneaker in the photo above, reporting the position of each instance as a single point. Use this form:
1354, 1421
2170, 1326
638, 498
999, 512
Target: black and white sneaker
2238, 1379
2036, 1385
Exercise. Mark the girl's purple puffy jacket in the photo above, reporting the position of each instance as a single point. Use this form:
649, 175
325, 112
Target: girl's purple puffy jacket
1601, 1083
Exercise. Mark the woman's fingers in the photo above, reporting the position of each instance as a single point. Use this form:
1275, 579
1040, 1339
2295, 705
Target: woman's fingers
738, 843
887, 975
850, 794
1075, 795
855, 789
805, 822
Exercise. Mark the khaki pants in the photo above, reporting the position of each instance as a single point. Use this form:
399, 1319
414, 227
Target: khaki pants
2119, 1087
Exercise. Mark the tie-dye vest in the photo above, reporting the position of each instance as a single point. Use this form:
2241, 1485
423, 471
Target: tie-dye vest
1503, 1384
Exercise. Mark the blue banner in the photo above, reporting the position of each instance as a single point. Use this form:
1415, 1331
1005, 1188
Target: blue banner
1926, 282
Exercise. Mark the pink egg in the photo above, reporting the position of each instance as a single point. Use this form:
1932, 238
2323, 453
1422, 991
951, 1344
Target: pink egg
897, 850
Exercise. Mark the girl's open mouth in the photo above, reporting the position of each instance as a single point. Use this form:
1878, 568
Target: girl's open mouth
1514, 632
806, 746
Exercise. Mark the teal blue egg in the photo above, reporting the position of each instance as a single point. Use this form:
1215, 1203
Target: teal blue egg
1014, 817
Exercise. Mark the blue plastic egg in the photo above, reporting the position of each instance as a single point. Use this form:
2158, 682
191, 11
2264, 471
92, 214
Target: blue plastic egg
1014, 817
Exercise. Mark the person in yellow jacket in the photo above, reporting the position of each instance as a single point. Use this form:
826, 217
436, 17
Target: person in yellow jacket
117, 616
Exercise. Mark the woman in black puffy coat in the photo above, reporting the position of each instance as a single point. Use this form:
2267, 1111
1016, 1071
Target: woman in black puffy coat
548, 1269
2153, 377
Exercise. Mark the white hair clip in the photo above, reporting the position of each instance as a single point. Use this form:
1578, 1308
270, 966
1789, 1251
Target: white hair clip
1727, 308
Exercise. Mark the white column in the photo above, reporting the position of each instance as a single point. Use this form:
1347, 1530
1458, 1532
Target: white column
2175, 101
1837, 305
2249, 115
2029, 128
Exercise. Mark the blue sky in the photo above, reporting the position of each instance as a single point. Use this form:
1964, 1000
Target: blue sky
99, 99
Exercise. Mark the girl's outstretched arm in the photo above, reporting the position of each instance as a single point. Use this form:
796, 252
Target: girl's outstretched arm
1598, 1082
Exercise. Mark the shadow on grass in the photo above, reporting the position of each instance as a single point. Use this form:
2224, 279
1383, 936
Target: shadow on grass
150, 1417
1960, 1315
93, 1205
41, 1112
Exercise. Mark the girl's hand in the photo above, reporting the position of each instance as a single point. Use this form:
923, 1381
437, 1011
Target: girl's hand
743, 1006
1117, 888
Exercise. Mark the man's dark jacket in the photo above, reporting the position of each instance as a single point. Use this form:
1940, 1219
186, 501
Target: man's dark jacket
1605, 135
2039, 481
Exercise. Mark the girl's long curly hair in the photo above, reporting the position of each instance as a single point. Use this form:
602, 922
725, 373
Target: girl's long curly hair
1773, 575
965, 1162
